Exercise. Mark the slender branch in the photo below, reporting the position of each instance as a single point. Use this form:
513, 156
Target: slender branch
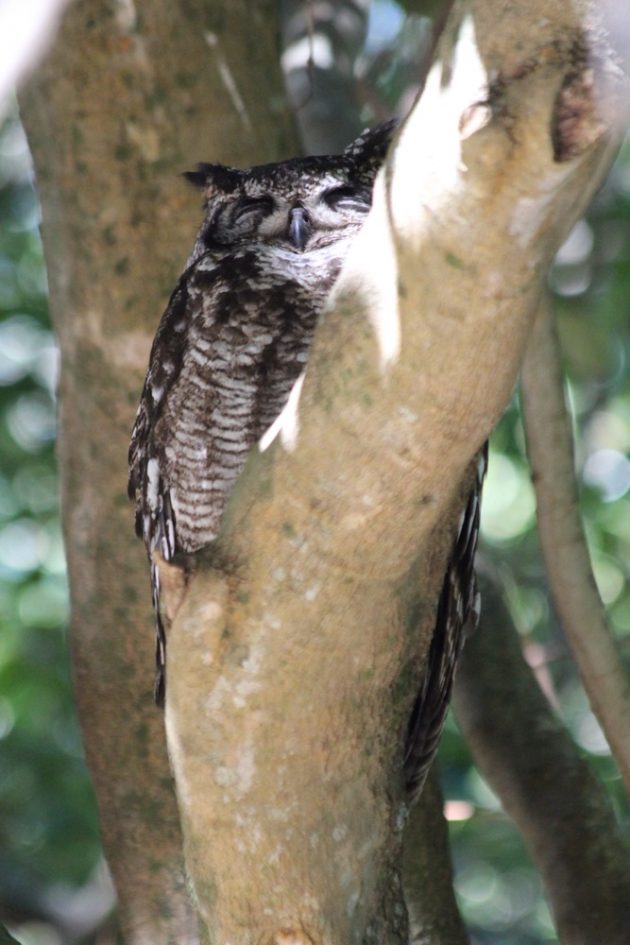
571, 581
324, 94
554, 798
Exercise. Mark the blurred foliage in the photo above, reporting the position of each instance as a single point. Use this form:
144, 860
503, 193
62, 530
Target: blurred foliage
49, 852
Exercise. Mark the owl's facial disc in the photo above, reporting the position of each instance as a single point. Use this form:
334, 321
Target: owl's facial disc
312, 211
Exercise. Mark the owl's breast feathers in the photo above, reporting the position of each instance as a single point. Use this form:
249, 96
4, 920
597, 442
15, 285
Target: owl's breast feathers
233, 340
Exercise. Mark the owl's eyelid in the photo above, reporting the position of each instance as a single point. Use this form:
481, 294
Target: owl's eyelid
254, 204
347, 197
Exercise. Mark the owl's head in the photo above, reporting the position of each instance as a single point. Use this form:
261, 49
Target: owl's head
302, 204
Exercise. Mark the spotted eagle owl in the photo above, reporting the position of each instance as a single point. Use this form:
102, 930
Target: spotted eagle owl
233, 341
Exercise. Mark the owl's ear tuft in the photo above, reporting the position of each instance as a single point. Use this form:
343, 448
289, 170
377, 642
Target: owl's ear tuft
368, 151
214, 178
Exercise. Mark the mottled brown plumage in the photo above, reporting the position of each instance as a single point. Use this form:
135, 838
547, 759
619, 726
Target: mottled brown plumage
235, 336
233, 341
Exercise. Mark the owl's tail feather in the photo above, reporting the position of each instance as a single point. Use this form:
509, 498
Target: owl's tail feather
457, 617
168, 587
158, 531
160, 638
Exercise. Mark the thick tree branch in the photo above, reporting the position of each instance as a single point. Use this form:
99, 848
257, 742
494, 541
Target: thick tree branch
124, 104
554, 798
571, 581
298, 649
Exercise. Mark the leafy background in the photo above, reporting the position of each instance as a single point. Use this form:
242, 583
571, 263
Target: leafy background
53, 884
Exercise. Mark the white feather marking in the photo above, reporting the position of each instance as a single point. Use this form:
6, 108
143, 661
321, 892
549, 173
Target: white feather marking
153, 479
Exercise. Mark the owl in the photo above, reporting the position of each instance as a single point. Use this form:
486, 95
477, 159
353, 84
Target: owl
235, 338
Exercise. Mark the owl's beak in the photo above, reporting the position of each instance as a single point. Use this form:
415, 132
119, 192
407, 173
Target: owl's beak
299, 227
